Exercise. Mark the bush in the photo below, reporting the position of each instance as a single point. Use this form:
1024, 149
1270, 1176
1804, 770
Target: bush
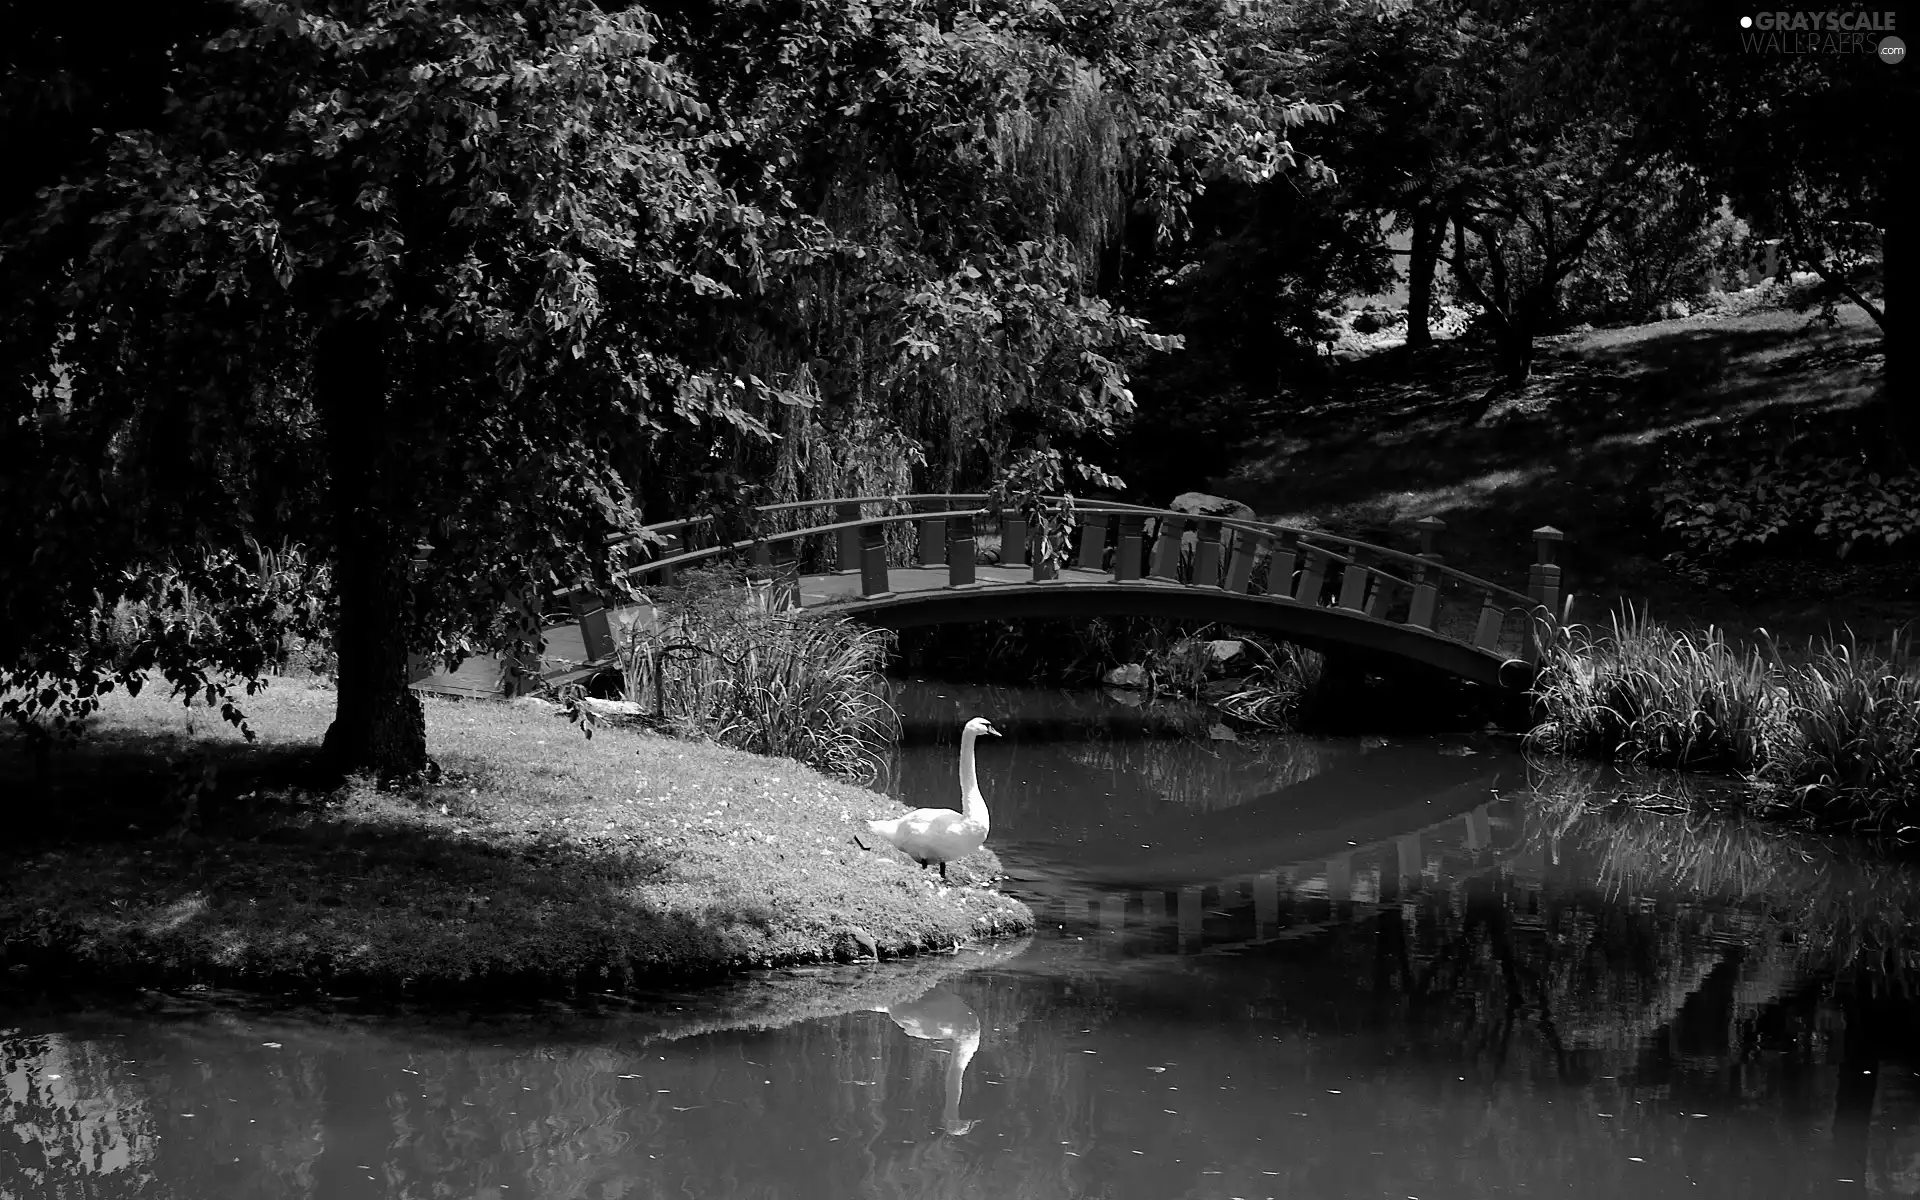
808, 688
1789, 503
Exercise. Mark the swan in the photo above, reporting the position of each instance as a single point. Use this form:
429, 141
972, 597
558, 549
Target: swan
941, 1016
940, 835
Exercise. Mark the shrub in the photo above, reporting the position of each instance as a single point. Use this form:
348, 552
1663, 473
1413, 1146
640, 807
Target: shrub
1788, 503
806, 688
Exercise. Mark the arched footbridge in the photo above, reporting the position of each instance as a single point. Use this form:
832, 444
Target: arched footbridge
904, 561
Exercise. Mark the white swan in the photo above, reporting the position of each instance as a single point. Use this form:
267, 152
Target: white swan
940, 835
941, 1016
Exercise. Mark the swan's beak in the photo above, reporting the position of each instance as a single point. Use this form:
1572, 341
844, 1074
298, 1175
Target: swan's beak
991, 731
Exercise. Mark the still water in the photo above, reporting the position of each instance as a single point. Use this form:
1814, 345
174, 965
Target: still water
1305, 968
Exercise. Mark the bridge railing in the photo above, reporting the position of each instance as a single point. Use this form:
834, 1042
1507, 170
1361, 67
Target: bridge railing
1139, 543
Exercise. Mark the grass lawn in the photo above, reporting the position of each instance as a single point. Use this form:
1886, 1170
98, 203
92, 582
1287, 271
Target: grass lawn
1405, 436
541, 863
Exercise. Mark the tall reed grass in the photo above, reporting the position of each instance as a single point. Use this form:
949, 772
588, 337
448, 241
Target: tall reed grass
806, 688
1837, 727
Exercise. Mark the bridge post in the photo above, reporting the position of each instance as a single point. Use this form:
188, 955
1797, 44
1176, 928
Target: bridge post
960, 550
1313, 580
1280, 569
1013, 538
1166, 549
1424, 610
1430, 528
1246, 548
1385, 588
846, 555
933, 537
1093, 542
1126, 561
1486, 635
1206, 556
596, 629
873, 561
1543, 588
1353, 585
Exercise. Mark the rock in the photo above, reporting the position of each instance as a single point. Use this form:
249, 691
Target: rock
1200, 504
1128, 675
1220, 733
1122, 696
852, 943
1226, 649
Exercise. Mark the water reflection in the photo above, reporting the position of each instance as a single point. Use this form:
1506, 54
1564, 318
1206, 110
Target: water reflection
941, 1016
1381, 979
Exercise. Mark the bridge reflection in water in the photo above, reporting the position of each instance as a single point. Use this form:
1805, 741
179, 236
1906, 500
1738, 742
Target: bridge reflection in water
1296, 899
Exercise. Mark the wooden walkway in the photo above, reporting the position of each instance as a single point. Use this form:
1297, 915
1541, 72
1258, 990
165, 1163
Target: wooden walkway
903, 561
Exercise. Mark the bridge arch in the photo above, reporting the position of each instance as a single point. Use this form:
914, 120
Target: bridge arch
906, 561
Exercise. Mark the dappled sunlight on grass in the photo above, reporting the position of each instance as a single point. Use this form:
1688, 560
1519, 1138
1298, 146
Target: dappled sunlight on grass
541, 861
1580, 448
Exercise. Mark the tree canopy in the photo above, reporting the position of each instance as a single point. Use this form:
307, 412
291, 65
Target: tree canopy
447, 292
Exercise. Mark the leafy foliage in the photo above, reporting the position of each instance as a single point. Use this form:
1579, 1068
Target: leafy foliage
486, 279
1789, 503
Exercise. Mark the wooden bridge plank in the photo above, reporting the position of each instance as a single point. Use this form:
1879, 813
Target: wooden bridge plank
1246, 549
1206, 556
1093, 542
1166, 549
1013, 539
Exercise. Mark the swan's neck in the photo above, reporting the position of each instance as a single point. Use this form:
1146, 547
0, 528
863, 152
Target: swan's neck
973, 805
963, 1049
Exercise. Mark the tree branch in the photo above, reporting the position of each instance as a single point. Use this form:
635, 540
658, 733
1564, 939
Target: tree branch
1803, 250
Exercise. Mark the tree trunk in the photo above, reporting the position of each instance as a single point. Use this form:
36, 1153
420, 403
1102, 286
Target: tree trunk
1897, 332
1428, 230
378, 724
1514, 347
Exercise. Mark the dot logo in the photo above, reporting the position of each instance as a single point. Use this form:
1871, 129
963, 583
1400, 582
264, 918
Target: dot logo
1746, 22
1892, 50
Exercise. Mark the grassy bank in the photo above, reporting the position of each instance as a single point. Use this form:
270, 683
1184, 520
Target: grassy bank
1610, 417
1833, 731
541, 863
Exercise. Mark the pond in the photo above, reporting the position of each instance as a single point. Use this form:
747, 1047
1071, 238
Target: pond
1411, 968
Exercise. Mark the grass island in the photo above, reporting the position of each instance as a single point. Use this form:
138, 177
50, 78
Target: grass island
539, 863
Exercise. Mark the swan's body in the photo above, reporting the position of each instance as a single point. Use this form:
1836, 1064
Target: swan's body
940, 835
941, 1016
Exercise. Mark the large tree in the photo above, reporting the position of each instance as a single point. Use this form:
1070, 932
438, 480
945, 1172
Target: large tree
450, 256
442, 290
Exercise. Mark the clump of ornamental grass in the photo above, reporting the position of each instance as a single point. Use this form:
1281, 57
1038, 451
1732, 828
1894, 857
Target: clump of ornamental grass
1857, 724
716, 664
1658, 697
1838, 730
1279, 690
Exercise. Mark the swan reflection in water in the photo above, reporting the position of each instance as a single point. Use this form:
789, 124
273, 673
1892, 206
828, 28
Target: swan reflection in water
941, 1016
